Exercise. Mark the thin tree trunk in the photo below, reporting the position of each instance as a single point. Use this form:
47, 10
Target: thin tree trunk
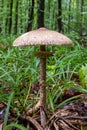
81, 23
40, 12
7, 23
60, 15
69, 16
30, 16
10, 15
16, 19
1, 21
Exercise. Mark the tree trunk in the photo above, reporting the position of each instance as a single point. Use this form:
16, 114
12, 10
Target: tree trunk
1, 21
40, 13
60, 15
16, 19
30, 16
69, 16
10, 15
81, 22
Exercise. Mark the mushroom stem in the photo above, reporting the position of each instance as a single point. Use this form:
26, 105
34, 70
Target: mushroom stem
43, 88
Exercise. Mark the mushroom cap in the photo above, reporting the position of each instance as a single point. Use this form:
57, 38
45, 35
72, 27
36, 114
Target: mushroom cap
42, 36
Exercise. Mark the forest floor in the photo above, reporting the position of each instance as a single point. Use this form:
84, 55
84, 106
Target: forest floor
72, 116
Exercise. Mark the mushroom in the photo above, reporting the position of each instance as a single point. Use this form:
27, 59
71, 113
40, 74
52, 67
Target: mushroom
42, 37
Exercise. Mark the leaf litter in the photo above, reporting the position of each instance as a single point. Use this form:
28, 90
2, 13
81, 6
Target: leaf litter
72, 116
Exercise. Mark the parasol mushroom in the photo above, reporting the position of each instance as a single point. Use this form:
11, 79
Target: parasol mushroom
42, 37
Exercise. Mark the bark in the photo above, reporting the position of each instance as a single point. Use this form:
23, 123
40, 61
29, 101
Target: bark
0, 16
16, 19
40, 12
60, 15
30, 16
81, 22
69, 17
10, 15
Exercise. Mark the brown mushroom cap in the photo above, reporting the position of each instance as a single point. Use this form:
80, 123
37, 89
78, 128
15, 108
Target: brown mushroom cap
42, 36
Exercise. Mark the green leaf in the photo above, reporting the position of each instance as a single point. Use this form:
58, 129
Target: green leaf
68, 101
51, 102
83, 75
84, 128
20, 127
8, 108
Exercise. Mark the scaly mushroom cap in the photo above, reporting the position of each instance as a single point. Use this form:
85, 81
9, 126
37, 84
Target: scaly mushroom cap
42, 36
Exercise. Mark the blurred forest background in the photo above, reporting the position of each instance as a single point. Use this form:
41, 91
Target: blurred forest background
19, 16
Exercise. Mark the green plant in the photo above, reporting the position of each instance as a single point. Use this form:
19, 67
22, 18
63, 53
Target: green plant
84, 128
8, 108
83, 75
20, 127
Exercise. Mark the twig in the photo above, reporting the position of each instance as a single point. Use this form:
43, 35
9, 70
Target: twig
69, 124
76, 117
56, 126
34, 109
34, 122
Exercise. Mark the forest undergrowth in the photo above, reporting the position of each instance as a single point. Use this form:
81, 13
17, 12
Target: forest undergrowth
19, 84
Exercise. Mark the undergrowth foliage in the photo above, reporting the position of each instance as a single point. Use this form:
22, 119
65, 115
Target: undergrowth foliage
19, 65
19, 70
83, 75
